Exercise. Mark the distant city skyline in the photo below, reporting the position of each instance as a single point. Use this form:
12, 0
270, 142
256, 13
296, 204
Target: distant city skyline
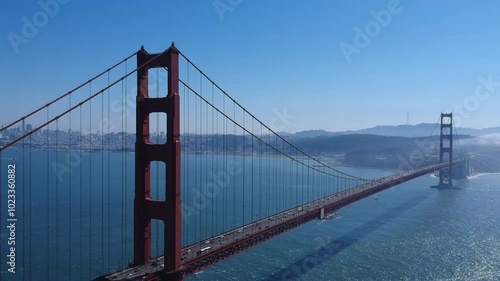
332, 66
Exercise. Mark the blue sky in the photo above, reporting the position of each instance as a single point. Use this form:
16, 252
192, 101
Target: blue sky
270, 55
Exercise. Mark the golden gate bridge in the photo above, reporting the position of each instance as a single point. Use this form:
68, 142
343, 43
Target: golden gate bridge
211, 180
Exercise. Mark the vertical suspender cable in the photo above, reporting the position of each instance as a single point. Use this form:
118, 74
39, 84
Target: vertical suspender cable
31, 211
302, 178
57, 201
207, 167
200, 160
70, 190
244, 172
233, 148
81, 196
289, 178
104, 123
199, 156
252, 175
125, 104
185, 183
276, 182
190, 199
283, 178
195, 168
297, 187
102, 182
225, 163
90, 181
261, 154
48, 197
24, 201
268, 178
109, 178
213, 150
122, 180
218, 158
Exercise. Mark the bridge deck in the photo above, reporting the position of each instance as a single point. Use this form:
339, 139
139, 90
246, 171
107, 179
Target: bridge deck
206, 253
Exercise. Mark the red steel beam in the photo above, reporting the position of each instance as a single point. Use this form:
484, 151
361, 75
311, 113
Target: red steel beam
146, 208
142, 224
173, 221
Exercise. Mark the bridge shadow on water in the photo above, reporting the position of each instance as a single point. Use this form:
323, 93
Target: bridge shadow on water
332, 248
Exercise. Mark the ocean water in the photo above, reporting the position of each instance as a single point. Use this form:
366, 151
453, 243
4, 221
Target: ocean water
411, 232
75, 221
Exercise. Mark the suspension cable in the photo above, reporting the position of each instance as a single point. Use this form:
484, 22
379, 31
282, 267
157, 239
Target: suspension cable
68, 93
263, 141
81, 103
273, 132
458, 139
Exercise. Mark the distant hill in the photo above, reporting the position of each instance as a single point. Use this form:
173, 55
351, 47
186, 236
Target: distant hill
409, 131
357, 149
420, 130
352, 142
314, 133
